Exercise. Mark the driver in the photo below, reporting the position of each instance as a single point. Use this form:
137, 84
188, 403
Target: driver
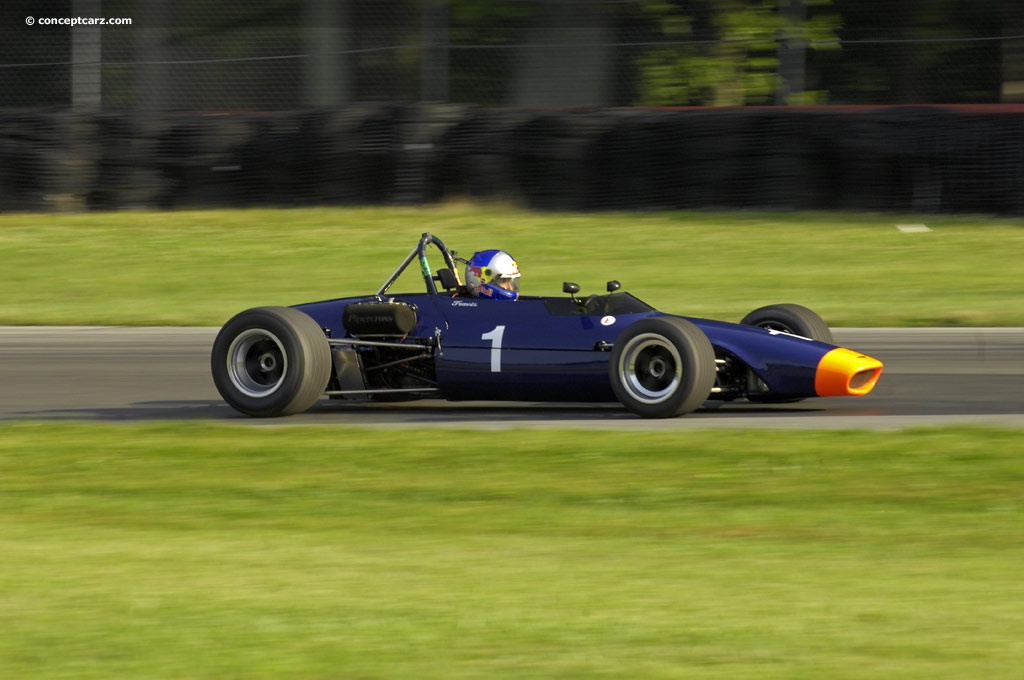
492, 274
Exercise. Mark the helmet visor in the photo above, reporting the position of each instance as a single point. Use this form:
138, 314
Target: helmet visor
507, 282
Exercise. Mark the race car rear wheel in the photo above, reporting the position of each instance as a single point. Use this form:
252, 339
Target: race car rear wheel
271, 361
791, 319
662, 367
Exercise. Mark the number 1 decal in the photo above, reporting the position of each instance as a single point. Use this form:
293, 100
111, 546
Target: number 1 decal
495, 338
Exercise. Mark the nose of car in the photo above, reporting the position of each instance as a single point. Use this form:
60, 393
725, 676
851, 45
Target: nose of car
843, 372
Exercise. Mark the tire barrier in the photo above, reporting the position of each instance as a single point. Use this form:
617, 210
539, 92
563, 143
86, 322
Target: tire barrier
926, 159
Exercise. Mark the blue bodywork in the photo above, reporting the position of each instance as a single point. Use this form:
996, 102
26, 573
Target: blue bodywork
549, 349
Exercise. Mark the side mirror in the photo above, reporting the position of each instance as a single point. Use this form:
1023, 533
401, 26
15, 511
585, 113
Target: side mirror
613, 286
571, 289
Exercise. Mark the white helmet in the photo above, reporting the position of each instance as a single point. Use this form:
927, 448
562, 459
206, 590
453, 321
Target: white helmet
493, 274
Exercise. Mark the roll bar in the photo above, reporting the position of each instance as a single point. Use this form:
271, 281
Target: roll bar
420, 252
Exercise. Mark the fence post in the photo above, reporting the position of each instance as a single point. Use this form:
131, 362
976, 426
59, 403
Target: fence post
86, 57
326, 34
434, 52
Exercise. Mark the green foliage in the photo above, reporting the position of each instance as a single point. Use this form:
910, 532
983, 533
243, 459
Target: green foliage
726, 54
477, 24
485, 16
208, 551
916, 52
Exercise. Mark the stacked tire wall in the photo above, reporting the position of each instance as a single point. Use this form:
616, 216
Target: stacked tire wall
903, 159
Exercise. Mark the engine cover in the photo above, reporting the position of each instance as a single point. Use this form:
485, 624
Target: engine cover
380, 319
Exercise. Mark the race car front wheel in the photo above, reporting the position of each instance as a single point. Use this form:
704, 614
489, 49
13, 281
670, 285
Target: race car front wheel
662, 367
791, 319
271, 361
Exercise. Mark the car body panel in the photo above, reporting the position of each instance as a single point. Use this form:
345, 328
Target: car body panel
522, 350
443, 342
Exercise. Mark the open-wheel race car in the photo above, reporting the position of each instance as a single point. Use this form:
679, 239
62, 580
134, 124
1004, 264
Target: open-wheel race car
444, 343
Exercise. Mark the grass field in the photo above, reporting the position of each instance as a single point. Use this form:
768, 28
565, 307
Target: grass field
199, 268
206, 551
185, 550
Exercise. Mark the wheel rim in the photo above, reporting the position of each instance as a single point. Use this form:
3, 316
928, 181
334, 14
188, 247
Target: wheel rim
650, 368
257, 363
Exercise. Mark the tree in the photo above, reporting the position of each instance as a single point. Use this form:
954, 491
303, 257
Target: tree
727, 52
921, 51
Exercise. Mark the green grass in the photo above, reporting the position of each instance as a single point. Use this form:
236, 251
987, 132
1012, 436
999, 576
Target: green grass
212, 551
207, 551
200, 267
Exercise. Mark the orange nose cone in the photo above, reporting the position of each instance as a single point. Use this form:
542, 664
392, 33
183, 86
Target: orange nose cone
845, 373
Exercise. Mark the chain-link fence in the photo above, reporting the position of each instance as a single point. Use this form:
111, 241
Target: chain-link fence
559, 103
286, 54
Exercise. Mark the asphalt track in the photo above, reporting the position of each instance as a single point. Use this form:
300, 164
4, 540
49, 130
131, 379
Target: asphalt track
932, 377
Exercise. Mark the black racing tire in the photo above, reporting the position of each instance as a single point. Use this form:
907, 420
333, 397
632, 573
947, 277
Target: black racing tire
271, 361
662, 367
792, 319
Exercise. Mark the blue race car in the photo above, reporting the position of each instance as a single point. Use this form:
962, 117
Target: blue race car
444, 343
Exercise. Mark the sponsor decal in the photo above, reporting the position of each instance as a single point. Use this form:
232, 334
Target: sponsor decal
607, 320
463, 303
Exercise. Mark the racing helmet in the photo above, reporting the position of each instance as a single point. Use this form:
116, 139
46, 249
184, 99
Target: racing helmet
493, 274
